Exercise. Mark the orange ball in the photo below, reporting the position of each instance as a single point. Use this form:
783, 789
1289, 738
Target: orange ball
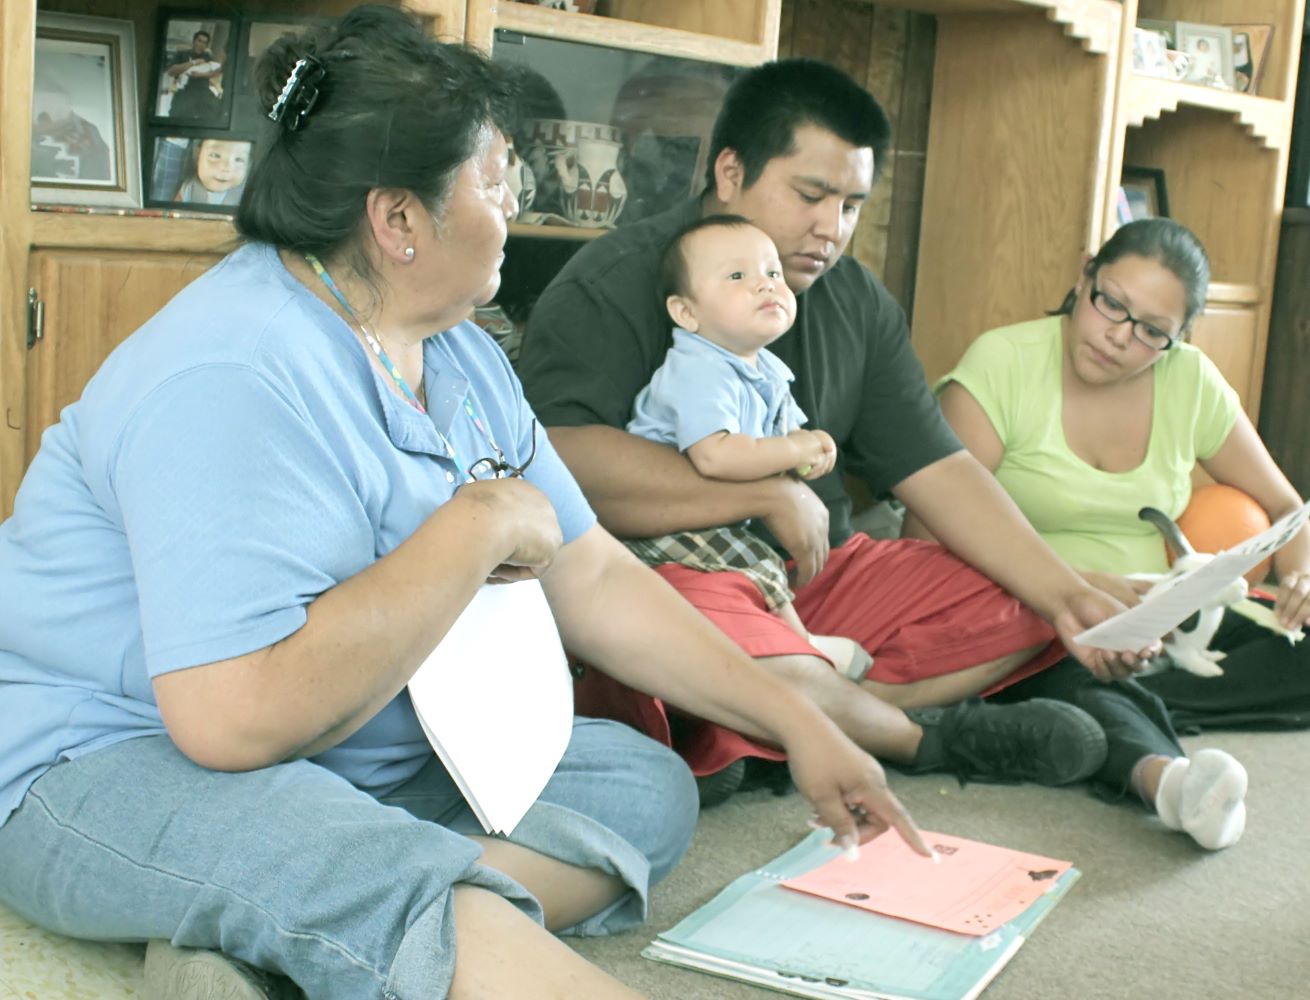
1219, 517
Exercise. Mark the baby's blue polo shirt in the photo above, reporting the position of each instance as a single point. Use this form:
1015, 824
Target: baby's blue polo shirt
233, 459
702, 389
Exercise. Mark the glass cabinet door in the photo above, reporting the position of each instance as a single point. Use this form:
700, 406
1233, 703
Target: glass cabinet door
607, 136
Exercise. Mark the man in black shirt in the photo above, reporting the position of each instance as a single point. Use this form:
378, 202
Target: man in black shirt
192, 71
796, 149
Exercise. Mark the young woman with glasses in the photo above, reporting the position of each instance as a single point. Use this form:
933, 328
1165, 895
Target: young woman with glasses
1093, 412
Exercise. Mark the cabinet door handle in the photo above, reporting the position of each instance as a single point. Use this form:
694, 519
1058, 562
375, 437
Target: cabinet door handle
35, 318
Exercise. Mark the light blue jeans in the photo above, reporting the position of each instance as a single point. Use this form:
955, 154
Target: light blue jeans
294, 869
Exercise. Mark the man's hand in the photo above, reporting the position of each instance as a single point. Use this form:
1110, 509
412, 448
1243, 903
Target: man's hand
1080, 612
799, 521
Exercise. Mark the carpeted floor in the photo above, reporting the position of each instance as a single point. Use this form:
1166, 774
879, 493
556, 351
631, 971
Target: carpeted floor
1152, 917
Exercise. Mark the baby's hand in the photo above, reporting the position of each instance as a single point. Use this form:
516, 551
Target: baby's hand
818, 453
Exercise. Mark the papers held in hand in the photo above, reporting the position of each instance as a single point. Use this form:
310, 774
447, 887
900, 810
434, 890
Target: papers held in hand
1165, 610
496, 701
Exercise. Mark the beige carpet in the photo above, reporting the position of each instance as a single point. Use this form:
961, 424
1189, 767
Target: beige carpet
1152, 917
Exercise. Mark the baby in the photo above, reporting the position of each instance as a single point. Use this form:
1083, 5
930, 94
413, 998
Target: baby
725, 401
218, 174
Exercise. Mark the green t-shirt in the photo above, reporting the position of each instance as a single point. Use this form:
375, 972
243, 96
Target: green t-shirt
1089, 516
600, 329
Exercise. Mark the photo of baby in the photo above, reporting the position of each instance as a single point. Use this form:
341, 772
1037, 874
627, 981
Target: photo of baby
200, 173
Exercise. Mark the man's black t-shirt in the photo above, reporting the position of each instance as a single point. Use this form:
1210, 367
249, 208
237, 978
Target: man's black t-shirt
600, 330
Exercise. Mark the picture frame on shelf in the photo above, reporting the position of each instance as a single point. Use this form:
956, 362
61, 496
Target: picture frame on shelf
198, 172
84, 112
1143, 194
190, 86
1210, 51
1250, 53
572, 6
1151, 53
256, 35
1167, 28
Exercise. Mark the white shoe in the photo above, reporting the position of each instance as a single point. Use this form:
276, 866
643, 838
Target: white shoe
847, 655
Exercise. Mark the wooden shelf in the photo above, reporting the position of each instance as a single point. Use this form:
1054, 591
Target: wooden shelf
554, 232
615, 33
99, 232
1148, 97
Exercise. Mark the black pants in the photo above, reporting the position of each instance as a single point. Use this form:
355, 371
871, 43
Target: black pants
1265, 683
1135, 721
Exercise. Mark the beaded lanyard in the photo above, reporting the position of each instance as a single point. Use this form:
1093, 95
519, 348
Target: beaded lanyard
497, 466
373, 341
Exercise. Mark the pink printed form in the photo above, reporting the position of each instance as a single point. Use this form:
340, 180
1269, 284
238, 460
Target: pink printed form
976, 888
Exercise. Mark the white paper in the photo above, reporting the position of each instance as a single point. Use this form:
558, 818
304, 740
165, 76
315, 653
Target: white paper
496, 701
1165, 610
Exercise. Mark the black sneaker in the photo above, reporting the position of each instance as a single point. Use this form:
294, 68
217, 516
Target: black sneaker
718, 787
1041, 740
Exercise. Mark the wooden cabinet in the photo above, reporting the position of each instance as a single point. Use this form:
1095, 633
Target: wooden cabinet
99, 276
90, 301
1035, 110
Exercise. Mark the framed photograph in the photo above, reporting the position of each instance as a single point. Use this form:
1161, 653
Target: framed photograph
84, 118
205, 173
1210, 51
1151, 53
1142, 194
256, 36
190, 85
1250, 52
1167, 28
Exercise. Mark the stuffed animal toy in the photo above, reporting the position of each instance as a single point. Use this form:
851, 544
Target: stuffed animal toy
1187, 646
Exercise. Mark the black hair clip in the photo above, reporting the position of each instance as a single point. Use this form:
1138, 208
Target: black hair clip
299, 94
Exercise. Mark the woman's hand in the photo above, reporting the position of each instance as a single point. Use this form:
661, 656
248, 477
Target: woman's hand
1293, 604
848, 790
526, 521
1126, 591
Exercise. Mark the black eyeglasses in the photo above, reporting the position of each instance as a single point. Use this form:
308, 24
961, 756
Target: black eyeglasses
498, 468
1116, 312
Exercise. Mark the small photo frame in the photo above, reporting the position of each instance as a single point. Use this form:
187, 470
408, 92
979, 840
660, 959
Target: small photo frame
257, 34
190, 88
1250, 53
1210, 54
84, 112
204, 173
1142, 194
1167, 28
1151, 53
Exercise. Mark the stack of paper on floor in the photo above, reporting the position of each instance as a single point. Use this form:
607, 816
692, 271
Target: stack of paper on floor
890, 926
496, 701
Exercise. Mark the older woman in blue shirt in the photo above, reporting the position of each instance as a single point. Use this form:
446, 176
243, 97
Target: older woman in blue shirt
270, 504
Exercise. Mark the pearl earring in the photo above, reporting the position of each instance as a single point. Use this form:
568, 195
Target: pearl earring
409, 253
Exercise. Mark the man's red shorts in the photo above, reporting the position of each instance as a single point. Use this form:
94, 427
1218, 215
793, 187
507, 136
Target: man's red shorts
917, 609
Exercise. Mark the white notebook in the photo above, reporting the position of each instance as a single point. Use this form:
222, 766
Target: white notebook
496, 701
